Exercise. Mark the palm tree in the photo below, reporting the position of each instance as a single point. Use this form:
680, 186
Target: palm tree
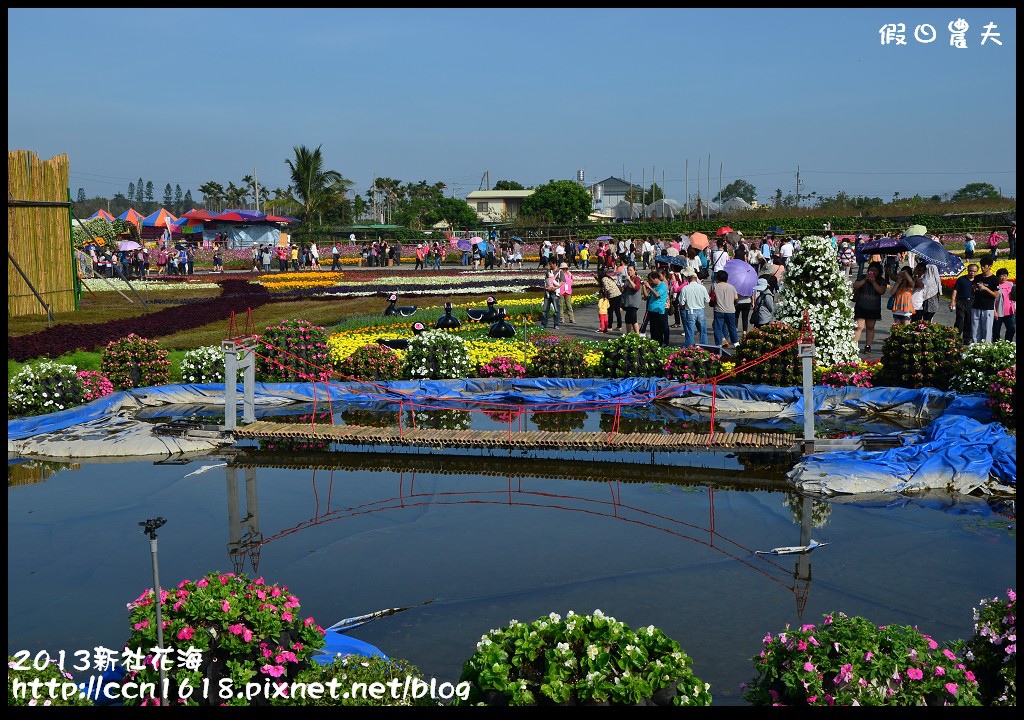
213, 194
316, 190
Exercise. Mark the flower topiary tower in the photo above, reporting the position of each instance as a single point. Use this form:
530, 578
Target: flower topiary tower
814, 282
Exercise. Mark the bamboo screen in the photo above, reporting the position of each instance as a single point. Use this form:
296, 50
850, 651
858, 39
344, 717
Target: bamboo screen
39, 238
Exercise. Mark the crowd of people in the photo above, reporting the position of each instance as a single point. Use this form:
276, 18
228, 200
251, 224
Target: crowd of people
658, 285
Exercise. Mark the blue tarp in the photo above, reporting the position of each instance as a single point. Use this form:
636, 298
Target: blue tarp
958, 450
954, 452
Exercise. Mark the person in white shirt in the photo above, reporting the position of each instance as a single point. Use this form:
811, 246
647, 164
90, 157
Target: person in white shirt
719, 257
693, 301
647, 250
786, 251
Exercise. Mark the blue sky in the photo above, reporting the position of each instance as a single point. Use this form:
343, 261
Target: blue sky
447, 95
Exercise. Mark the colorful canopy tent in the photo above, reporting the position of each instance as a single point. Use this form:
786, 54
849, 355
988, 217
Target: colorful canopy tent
240, 216
195, 216
130, 215
161, 218
102, 215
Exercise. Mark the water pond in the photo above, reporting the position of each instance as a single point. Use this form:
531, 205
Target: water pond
466, 543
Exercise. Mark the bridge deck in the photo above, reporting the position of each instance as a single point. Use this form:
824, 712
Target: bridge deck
526, 439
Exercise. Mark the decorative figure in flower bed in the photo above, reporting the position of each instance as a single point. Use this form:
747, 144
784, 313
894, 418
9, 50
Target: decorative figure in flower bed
134, 362
401, 343
581, 660
448, 321
693, 364
402, 310
502, 328
850, 661
490, 314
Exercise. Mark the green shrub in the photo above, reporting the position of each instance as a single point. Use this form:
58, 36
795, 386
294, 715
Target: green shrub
436, 355
372, 361
632, 355
134, 362
203, 365
44, 387
693, 364
581, 660
980, 361
850, 661
782, 370
25, 671
558, 358
920, 355
293, 351
347, 670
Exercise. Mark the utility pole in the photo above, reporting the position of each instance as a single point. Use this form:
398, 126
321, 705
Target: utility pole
256, 192
798, 186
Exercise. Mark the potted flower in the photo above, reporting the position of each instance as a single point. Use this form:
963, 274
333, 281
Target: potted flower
850, 661
240, 631
581, 660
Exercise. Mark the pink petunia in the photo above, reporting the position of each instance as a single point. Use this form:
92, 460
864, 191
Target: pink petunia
939, 671
809, 666
915, 673
225, 606
272, 670
186, 633
952, 688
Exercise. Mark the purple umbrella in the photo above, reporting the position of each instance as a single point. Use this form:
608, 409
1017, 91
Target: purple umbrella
882, 246
464, 245
742, 276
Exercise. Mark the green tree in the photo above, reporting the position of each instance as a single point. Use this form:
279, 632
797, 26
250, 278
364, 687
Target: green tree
178, 200
187, 201
508, 185
140, 191
131, 192
315, 190
456, 212
737, 188
81, 195
976, 191
560, 202
150, 192
416, 204
168, 195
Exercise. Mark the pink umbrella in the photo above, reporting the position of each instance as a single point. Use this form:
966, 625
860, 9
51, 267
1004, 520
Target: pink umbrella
699, 241
476, 239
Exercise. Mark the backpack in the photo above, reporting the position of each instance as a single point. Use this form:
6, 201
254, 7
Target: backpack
566, 287
713, 301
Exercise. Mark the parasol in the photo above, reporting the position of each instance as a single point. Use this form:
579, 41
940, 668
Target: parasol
742, 276
699, 241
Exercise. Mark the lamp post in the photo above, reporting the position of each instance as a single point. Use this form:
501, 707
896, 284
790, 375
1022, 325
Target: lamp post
149, 527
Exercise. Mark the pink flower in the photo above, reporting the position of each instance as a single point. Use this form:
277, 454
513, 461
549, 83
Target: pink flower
952, 688
141, 625
225, 606
186, 633
939, 670
809, 666
915, 673
272, 670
